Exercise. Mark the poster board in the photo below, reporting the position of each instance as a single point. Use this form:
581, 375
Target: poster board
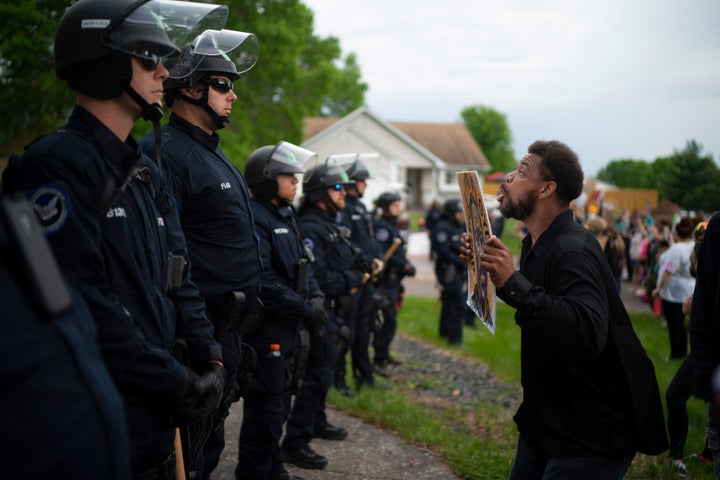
481, 291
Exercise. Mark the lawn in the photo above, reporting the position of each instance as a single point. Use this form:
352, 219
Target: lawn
479, 442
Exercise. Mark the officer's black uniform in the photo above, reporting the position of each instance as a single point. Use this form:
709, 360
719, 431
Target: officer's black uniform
61, 411
451, 273
336, 276
213, 205
267, 404
388, 285
356, 217
118, 259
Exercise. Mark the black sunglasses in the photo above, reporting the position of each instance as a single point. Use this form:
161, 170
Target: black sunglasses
148, 60
222, 85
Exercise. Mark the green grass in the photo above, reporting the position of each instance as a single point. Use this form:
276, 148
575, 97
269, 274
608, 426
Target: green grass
478, 440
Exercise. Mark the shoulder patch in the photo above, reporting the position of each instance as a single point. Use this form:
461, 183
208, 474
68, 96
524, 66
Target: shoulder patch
442, 237
382, 235
308, 243
52, 204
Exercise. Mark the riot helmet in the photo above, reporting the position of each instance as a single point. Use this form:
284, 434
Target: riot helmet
226, 53
265, 164
319, 178
356, 164
386, 199
95, 40
451, 207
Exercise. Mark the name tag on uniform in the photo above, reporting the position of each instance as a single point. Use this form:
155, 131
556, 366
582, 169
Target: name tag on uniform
281, 231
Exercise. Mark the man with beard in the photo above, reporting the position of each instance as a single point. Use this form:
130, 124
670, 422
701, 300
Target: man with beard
590, 397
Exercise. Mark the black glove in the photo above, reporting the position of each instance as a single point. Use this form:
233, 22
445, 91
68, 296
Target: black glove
361, 263
409, 270
316, 324
202, 394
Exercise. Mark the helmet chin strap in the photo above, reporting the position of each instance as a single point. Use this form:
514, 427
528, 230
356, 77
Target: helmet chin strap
152, 112
221, 121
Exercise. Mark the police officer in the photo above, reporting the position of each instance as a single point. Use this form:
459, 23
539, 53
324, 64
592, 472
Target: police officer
324, 190
213, 204
291, 297
58, 401
451, 272
107, 215
388, 284
358, 220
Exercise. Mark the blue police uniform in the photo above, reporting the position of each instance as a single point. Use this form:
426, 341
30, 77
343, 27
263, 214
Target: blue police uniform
356, 217
267, 403
61, 410
213, 205
451, 273
388, 285
118, 259
333, 268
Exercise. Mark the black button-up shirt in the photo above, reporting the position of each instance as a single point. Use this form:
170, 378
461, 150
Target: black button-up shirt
588, 387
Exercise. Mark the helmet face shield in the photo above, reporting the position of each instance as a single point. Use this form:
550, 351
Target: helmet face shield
357, 165
161, 25
324, 174
240, 50
287, 158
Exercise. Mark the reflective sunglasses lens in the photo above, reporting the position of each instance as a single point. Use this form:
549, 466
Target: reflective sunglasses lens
221, 85
338, 187
148, 60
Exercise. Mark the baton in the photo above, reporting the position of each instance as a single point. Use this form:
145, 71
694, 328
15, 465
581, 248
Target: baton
391, 249
179, 460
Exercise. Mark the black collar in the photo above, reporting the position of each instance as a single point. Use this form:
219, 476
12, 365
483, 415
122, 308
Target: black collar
211, 141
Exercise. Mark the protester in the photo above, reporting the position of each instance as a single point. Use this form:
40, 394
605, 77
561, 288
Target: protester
675, 284
590, 397
683, 385
109, 219
612, 246
705, 332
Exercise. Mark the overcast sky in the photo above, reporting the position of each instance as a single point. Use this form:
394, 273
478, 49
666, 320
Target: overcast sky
611, 78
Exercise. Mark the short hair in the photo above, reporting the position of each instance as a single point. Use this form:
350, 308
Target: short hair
597, 225
561, 165
684, 228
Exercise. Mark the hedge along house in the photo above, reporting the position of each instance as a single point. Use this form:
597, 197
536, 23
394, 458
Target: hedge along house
419, 160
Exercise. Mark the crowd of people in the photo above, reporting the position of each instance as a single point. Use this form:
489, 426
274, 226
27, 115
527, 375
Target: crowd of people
170, 283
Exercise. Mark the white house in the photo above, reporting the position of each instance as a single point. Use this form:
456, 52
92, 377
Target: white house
418, 159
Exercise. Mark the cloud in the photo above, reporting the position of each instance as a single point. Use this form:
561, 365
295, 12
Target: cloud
613, 79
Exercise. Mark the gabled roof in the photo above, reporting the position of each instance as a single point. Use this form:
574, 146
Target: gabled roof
449, 142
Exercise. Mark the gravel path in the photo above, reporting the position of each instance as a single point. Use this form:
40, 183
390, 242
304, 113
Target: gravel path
440, 375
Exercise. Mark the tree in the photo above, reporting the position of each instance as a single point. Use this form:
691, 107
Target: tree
629, 173
33, 100
298, 74
491, 131
691, 179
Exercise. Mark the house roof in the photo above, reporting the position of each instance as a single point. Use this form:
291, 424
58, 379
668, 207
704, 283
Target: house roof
450, 142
